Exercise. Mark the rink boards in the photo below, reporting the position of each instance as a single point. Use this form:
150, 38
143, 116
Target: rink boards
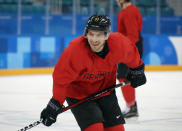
39, 54
31, 71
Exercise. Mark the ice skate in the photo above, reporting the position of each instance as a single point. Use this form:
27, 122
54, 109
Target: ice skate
131, 111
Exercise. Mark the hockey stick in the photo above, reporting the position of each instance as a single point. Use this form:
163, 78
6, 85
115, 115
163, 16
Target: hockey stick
31, 125
94, 96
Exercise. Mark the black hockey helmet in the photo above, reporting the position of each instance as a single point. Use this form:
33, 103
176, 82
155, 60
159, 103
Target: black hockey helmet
98, 22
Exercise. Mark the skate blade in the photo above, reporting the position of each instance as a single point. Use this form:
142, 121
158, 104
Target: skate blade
132, 120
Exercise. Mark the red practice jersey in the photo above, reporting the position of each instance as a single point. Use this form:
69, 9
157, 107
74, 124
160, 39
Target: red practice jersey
80, 72
129, 22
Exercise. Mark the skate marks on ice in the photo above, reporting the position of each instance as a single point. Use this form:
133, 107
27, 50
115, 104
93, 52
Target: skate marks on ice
13, 121
159, 103
22, 98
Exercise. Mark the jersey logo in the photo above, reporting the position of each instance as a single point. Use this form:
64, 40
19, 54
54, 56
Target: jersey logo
96, 19
117, 117
95, 76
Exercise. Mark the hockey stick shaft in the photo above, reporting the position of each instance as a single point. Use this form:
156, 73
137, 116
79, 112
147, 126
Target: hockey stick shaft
94, 96
31, 125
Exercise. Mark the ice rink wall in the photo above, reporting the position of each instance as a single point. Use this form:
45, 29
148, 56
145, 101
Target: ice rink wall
35, 48
30, 52
162, 50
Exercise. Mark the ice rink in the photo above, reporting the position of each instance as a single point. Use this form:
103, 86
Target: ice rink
22, 98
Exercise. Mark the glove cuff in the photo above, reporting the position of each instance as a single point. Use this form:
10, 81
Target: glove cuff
138, 71
55, 105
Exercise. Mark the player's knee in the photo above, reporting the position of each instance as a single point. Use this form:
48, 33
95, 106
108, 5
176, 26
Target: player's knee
115, 128
95, 127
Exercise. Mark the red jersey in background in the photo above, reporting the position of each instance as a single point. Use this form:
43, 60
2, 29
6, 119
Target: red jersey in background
129, 23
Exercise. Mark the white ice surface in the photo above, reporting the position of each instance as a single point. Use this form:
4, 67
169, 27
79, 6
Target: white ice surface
22, 98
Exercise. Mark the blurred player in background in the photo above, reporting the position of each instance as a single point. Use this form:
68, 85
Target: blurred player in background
89, 65
129, 23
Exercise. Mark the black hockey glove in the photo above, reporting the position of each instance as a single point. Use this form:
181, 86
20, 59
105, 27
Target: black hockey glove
50, 113
137, 76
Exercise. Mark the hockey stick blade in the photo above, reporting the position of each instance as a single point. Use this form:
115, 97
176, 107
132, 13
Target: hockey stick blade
122, 84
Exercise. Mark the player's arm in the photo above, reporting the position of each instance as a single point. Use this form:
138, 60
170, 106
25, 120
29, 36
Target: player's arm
63, 75
132, 59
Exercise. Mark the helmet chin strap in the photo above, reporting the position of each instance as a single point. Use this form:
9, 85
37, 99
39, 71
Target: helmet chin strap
107, 36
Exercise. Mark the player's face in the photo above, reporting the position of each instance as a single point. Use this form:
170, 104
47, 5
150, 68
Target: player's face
96, 40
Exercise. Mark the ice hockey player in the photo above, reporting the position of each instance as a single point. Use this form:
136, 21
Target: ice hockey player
129, 23
89, 65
